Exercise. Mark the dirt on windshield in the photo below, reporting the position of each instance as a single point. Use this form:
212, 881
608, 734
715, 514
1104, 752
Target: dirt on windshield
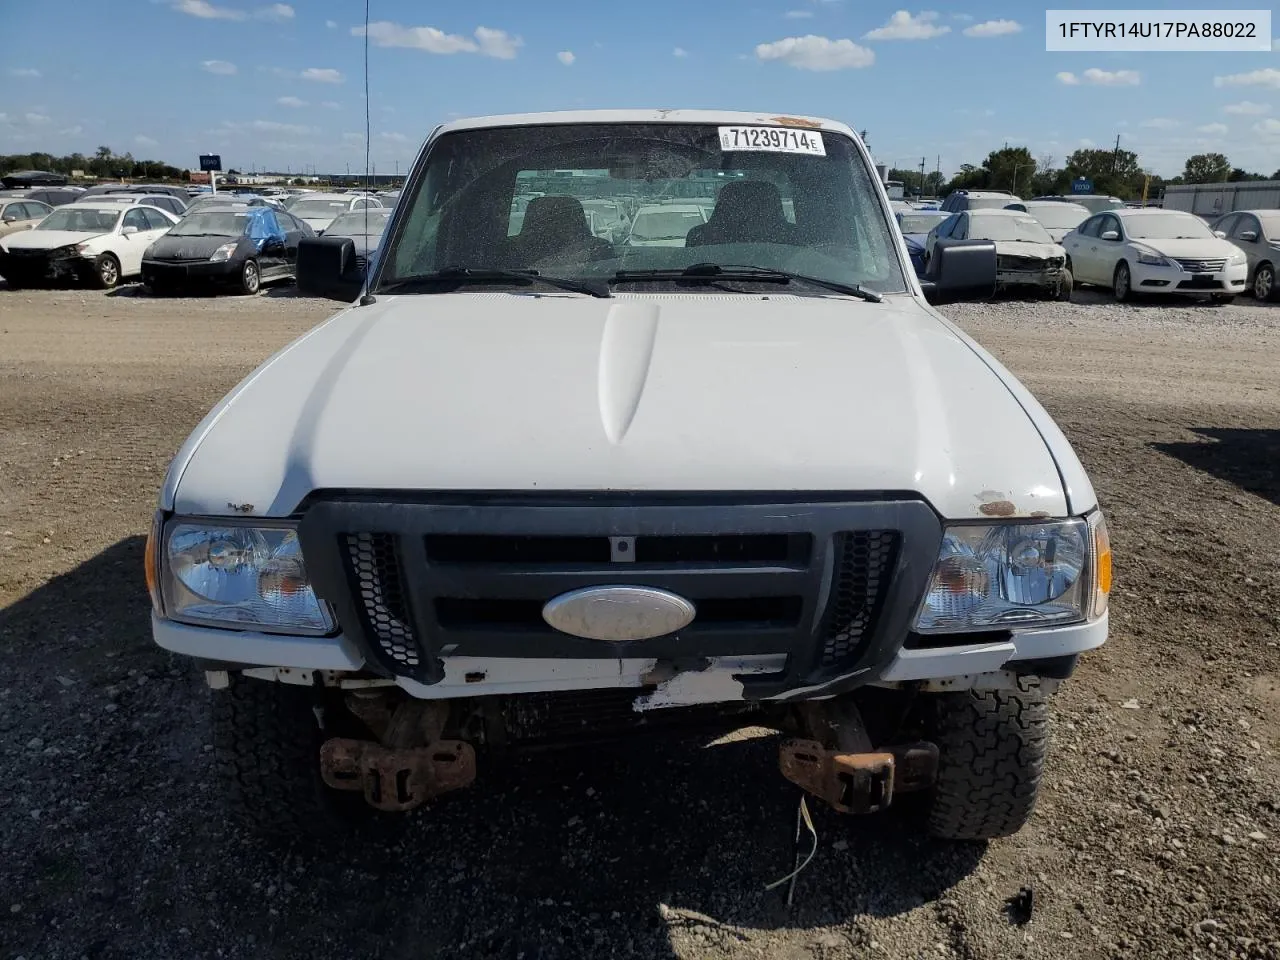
1159, 830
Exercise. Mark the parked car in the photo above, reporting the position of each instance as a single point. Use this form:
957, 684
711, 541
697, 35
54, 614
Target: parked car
1093, 202
1257, 233
465, 583
164, 201
1058, 219
239, 246
364, 227
100, 244
1027, 259
18, 215
665, 224
960, 200
211, 200
389, 198
607, 219
915, 226
1155, 251
321, 209
151, 189
51, 196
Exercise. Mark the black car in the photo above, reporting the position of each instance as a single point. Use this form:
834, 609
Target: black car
240, 247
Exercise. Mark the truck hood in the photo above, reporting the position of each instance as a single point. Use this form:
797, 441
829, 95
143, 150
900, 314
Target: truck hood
663, 392
1029, 248
46, 239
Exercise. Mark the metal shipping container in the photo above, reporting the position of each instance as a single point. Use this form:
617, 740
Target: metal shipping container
1215, 199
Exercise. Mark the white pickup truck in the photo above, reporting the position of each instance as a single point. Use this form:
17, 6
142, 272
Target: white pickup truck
534, 487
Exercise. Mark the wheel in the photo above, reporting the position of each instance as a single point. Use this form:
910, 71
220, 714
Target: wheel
1122, 283
106, 271
1066, 285
991, 750
266, 744
1264, 282
250, 278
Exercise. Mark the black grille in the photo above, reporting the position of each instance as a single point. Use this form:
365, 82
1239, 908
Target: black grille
863, 563
376, 574
599, 715
723, 548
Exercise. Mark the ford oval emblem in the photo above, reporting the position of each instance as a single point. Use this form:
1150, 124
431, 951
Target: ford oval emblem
618, 613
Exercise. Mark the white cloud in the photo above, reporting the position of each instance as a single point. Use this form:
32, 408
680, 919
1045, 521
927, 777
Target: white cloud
1268, 127
817, 53
1214, 129
1267, 77
331, 104
566, 57
497, 43
271, 126
331, 24
35, 118
1160, 123
68, 131
220, 67
278, 12
1101, 78
147, 142
680, 52
207, 11
993, 28
903, 26
798, 14
488, 42
321, 75
393, 137
291, 101
1246, 108
24, 72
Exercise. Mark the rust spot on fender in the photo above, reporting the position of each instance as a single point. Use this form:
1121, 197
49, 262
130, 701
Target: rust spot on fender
998, 508
797, 122
240, 507
1040, 515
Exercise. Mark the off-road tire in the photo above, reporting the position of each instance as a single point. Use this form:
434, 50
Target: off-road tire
266, 742
992, 746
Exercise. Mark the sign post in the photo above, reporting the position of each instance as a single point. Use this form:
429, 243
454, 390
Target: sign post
211, 163
1082, 185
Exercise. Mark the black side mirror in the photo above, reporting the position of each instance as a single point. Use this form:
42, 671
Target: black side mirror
327, 268
960, 270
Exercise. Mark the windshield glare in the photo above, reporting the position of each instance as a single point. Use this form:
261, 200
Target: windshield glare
1059, 216
519, 198
920, 222
214, 223
81, 220
1163, 226
355, 224
1008, 228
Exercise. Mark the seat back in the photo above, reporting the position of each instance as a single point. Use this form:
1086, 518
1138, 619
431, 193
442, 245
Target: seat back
746, 212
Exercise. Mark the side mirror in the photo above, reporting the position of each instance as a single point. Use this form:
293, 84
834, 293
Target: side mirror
1220, 234
960, 270
1248, 236
327, 268
128, 231
1109, 235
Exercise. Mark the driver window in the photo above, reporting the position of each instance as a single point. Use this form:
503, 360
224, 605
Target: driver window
1111, 223
961, 231
1246, 224
134, 218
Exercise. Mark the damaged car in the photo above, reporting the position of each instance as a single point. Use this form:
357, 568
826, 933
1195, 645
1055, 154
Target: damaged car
541, 489
1027, 259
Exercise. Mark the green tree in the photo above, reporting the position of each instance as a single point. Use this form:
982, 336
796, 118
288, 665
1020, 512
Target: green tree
1238, 175
1206, 168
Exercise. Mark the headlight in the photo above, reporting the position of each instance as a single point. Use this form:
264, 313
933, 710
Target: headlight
1152, 259
1009, 575
223, 252
239, 576
1239, 257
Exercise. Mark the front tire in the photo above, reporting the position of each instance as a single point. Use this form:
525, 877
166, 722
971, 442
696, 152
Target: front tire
266, 742
250, 278
1122, 283
991, 751
1264, 282
1065, 286
106, 271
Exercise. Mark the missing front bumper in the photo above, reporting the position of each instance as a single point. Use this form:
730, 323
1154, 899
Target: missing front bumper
396, 780
858, 782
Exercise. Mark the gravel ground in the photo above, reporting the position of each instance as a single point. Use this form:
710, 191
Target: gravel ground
1159, 829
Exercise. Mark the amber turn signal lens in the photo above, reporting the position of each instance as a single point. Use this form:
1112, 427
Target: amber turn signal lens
149, 562
1101, 565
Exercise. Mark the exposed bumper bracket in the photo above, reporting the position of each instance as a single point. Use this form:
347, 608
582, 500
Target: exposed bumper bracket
858, 782
397, 779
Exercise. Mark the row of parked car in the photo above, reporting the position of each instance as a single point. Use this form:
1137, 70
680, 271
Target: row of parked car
1048, 245
105, 237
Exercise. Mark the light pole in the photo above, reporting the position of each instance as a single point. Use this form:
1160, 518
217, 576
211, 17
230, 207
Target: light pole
1016, 168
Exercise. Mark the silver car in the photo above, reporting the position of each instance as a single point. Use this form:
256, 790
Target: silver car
1257, 233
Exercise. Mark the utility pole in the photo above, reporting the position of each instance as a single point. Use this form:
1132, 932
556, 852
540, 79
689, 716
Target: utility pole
1115, 157
922, 159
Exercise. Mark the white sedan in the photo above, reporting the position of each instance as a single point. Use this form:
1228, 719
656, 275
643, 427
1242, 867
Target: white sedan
319, 210
99, 243
1155, 251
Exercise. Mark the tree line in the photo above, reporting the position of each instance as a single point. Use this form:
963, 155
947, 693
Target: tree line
104, 163
1113, 172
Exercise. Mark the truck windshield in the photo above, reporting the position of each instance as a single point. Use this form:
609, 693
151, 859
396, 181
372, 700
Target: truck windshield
784, 199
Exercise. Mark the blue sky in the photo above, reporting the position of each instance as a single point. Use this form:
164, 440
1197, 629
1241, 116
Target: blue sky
275, 84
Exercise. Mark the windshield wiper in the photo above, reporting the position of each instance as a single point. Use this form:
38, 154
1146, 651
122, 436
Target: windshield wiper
461, 276
713, 272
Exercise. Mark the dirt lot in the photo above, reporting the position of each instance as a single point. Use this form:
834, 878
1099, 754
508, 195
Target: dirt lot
1158, 833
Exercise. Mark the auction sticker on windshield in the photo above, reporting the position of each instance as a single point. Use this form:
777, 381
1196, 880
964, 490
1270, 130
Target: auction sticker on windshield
772, 140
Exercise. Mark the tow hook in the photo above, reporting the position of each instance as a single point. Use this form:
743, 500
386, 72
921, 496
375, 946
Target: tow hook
858, 782
396, 780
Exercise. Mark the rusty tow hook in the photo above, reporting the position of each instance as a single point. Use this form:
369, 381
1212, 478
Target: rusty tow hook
858, 782
412, 764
